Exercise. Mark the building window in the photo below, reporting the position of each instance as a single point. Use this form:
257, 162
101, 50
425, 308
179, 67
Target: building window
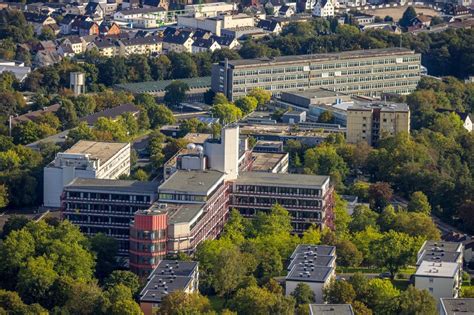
431, 290
431, 280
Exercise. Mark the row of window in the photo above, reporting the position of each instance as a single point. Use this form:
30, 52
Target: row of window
278, 190
102, 196
338, 65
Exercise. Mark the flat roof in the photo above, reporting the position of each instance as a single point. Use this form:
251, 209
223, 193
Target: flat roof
437, 269
457, 306
312, 250
197, 138
175, 267
366, 53
441, 246
301, 273
436, 256
160, 286
285, 180
176, 212
316, 260
384, 107
113, 185
102, 151
192, 182
278, 130
330, 309
266, 162
159, 86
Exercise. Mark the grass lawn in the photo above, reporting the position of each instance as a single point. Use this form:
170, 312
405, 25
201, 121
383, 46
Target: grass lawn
217, 302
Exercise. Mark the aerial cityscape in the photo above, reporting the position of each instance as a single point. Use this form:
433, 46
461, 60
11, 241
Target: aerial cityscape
251, 157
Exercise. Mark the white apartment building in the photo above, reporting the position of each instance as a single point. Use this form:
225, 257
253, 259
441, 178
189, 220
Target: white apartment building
217, 23
85, 159
442, 279
141, 17
314, 265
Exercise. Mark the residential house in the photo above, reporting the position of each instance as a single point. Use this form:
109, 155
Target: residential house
324, 8
65, 25
47, 45
112, 113
88, 28
227, 42
270, 26
75, 26
422, 21
95, 11
106, 47
465, 117
65, 50
109, 29
150, 45
203, 45
286, 11
39, 21
179, 41
45, 58
77, 44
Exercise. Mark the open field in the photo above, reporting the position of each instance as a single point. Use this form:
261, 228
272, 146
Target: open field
397, 12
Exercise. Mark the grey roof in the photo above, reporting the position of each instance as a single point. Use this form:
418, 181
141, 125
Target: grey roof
301, 273
112, 185
176, 212
384, 107
321, 57
267, 25
105, 43
285, 180
178, 267
330, 309
441, 246
141, 40
192, 182
457, 306
179, 37
315, 260
311, 250
160, 286
141, 10
436, 256
159, 86
203, 43
112, 113
168, 276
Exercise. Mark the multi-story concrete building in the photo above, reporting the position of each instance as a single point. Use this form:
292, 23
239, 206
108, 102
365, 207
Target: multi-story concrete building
167, 277
308, 198
150, 45
85, 159
314, 265
217, 23
362, 72
107, 206
441, 279
369, 122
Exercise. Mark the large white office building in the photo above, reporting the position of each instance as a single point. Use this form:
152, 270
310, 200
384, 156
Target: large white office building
85, 159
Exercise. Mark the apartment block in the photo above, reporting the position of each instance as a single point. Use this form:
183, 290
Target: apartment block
314, 265
167, 277
456, 306
330, 309
362, 72
442, 280
369, 122
216, 23
85, 159
107, 206
308, 198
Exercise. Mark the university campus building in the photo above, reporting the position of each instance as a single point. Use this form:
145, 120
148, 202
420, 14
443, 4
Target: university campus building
193, 203
361, 72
